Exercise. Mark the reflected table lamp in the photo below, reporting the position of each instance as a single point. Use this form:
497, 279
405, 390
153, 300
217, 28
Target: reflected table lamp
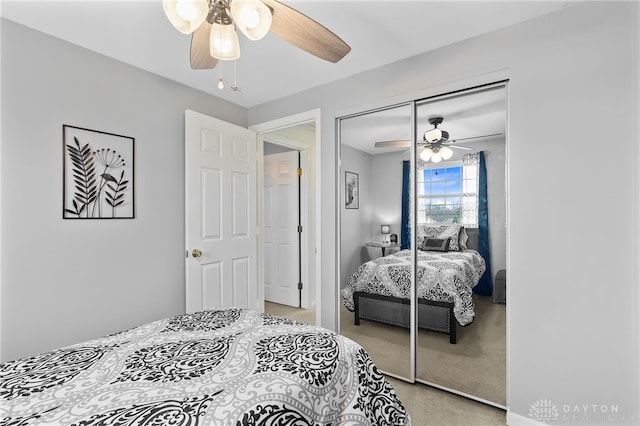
385, 230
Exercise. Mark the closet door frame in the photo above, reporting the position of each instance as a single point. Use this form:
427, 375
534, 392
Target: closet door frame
413, 98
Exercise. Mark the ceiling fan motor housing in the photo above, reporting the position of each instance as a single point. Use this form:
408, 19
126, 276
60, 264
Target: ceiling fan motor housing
436, 120
436, 135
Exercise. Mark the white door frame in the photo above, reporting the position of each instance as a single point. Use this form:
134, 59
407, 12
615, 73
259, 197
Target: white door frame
313, 174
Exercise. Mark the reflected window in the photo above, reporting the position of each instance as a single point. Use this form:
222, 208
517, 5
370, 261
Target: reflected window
440, 195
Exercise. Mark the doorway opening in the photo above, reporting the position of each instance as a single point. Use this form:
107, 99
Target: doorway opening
287, 217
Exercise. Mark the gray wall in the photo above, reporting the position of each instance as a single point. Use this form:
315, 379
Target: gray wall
387, 197
573, 308
356, 223
66, 281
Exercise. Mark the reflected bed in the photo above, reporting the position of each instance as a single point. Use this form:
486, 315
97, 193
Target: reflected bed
380, 289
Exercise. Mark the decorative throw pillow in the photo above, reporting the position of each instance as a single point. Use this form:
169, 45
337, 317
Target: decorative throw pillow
436, 244
450, 232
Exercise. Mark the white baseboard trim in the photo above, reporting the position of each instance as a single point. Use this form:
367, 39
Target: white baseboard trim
518, 420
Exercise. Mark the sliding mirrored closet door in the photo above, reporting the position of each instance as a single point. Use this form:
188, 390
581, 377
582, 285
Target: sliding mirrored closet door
461, 233
423, 230
375, 268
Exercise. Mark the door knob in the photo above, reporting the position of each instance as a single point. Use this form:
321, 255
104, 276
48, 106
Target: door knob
196, 253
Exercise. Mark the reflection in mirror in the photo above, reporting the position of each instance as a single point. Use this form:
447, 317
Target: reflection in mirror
375, 273
461, 236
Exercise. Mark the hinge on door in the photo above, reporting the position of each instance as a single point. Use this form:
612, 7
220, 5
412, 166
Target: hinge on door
299, 229
299, 286
299, 171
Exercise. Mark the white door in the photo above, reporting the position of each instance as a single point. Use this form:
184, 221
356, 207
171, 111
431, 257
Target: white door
280, 225
220, 214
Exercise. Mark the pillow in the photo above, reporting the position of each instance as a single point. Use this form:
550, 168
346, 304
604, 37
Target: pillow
463, 238
451, 232
436, 244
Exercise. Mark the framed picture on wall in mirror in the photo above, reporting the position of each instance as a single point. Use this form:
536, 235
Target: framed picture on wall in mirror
352, 190
97, 173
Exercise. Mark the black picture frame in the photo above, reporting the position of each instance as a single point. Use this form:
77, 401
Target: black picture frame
97, 174
351, 190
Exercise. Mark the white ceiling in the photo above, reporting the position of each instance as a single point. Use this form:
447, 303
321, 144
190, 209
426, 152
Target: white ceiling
379, 32
466, 115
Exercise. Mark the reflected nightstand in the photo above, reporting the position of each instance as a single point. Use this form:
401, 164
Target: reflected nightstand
383, 246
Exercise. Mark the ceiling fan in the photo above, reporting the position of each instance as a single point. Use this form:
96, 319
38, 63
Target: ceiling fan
436, 145
213, 24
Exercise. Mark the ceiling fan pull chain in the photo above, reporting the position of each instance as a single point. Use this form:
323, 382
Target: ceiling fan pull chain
220, 83
235, 87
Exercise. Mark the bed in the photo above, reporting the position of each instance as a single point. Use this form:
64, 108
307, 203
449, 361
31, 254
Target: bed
448, 269
218, 367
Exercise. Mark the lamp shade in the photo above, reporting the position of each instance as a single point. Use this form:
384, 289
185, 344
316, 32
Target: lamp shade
436, 157
186, 15
224, 44
385, 229
252, 17
433, 135
446, 152
426, 153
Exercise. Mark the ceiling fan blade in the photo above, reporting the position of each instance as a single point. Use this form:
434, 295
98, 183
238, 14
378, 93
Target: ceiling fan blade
393, 144
461, 147
305, 33
474, 137
201, 58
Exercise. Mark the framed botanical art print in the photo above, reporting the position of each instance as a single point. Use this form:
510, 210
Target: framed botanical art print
97, 174
352, 190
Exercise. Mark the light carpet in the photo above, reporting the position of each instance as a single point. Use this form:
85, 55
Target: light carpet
476, 364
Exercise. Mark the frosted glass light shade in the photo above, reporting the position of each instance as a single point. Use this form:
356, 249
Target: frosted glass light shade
223, 42
186, 15
252, 17
436, 157
433, 135
425, 155
446, 152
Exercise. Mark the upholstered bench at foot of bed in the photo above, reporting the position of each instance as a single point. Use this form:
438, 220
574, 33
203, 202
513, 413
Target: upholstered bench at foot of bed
434, 316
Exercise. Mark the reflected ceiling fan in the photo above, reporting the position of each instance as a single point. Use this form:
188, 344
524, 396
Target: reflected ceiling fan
436, 145
213, 24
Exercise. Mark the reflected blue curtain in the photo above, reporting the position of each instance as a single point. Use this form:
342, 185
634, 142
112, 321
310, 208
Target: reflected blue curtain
485, 285
405, 227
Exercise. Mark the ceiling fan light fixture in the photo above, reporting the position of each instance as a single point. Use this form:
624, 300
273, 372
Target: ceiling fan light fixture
186, 15
426, 154
436, 135
433, 135
224, 44
436, 157
252, 17
446, 152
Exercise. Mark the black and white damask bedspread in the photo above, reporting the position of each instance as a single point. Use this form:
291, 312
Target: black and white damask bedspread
219, 367
442, 277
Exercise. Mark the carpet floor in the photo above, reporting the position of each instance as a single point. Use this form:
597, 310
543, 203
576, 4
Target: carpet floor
476, 365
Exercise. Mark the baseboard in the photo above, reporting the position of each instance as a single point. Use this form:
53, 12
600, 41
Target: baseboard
518, 420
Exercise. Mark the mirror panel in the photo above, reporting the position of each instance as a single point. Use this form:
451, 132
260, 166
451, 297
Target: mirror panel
375, 273
457, 295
